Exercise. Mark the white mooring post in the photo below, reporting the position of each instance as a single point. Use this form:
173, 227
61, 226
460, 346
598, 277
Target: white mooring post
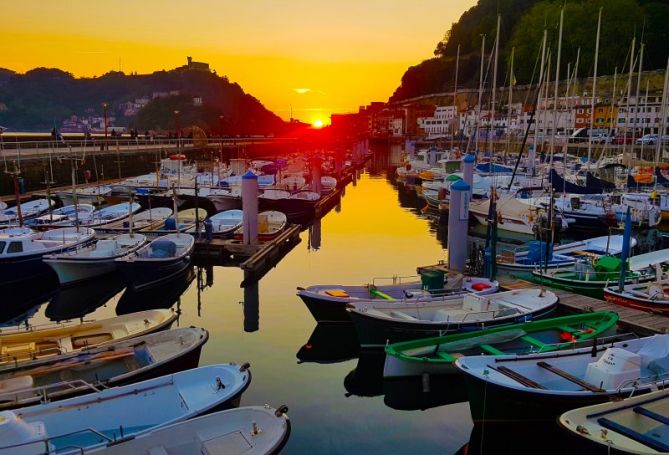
458, 222
250, 208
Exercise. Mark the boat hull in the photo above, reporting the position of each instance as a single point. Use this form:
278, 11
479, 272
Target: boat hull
657, 307
140, 274
19, 269
72, 272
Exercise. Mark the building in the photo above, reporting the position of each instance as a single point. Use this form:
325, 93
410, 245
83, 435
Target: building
194, 66
441, 123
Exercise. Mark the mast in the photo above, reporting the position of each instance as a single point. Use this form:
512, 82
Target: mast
594, 86
643, 123
494, 90
480, 93
629, 95
557, 83
532, 155
636, 101
508, 106
455, 95
663, 117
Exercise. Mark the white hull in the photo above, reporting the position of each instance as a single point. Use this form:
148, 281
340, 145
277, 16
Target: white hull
395, 368
74, 271
506, 225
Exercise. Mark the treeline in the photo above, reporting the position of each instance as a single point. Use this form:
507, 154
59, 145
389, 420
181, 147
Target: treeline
43, 97
522, 25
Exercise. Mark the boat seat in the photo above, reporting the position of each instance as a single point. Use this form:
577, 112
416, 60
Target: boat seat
18, 350
104, 248
569, 377
402, 315
89, 340
17, 383
337, 293
634, 435
651, 415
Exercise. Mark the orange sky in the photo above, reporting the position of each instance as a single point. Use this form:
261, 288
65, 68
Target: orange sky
320, 57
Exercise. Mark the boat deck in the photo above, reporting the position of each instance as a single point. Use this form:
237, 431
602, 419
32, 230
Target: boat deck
632, 320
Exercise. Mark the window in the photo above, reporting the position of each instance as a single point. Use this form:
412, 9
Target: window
15, 247
621, 120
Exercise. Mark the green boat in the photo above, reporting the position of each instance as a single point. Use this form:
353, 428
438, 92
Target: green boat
590, 280
438, 355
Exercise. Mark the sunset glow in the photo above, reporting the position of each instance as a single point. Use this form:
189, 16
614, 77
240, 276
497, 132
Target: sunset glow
318, 123
316, 57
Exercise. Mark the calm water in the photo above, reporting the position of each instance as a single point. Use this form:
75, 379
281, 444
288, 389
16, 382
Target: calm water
337, 402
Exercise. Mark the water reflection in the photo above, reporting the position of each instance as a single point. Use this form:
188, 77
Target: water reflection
366, 379
330, 343
78, 300
423, 392
21, 299
251, 306
522, 439
315, 235
163, 296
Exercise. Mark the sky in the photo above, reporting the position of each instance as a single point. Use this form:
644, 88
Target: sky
320, 57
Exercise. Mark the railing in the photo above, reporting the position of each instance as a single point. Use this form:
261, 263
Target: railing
396, 280
42, 391
48, 449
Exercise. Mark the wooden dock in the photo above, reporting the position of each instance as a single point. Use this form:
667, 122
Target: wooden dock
632, 320
255, 260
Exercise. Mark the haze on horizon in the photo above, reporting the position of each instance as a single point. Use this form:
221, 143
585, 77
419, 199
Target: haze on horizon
320, 57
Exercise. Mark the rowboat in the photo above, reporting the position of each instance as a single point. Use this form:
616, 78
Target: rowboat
636, 425
163, 258
124, 362
437, 355
270, 224
542, 386
29, 210
87, 195
83, 423
187, 219
327, 302
141, 220
94, 260
18, 345
252, 430
379, 323
63, 216
223, 224
21, 253
110, 214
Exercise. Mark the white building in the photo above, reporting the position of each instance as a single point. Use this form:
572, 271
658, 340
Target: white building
441, 123
644, 116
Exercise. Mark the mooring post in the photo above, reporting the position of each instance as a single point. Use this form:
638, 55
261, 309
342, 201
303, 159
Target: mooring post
458, 222
468, 170
316, 162
250, 208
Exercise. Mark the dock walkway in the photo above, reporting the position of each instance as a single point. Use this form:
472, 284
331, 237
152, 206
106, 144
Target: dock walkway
632, 320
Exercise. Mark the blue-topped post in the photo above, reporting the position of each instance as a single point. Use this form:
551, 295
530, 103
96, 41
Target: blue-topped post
458, 222
626, 249
250, 208
468, 169
432, 156
316, 162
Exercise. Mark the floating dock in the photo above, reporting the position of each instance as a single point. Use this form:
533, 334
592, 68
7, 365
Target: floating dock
636, 321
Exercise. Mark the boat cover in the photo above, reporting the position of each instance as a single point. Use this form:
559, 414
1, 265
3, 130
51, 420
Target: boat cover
163, 249
561, 185
599, 184
655, 355
660, 178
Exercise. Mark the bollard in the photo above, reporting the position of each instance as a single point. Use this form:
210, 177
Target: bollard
432, 157
458, 222
316, 162
250, 208
468, 170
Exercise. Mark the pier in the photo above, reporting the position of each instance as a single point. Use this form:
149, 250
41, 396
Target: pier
632, 320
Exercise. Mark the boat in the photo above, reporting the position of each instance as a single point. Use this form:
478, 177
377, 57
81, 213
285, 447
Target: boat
636, 425
380, 323
650, 296
86, 195
111, 214
187, 219
94, 260
141, 220
540, 387
21, 255
223, 224
436, 356
252, 430
161, 259
328, 184
29, 210
583, 278
559, 255
80, 424
512, 214
327, 302
37, 342
63, 216
119, 363
270, 225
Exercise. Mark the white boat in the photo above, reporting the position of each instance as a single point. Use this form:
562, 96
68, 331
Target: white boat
512, 215
223, 224
63, 216
110, 214
328, 183
636, 425
94, 260
270, 224
141, 220
85, 195
29, 209
250, 430
378, 323
163, 258
83, 423
21, 255
306, 196
3, 205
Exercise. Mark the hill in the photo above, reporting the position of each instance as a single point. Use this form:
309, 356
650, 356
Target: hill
522, 27
45, 97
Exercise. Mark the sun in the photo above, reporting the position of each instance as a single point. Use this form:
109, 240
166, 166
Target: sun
318, 123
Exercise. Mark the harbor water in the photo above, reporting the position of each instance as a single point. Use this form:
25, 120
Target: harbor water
338, 402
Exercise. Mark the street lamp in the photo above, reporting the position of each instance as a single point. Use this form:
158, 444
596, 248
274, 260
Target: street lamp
104, 111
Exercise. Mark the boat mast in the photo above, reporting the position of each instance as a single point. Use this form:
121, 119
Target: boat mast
75, 199
532, 155
629, 95
645, 110
455, 97
132, 197
594, 86
663, 118
555, 96
508, 107
611, 107
636, 100
494, 92
478, 117
174, 204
